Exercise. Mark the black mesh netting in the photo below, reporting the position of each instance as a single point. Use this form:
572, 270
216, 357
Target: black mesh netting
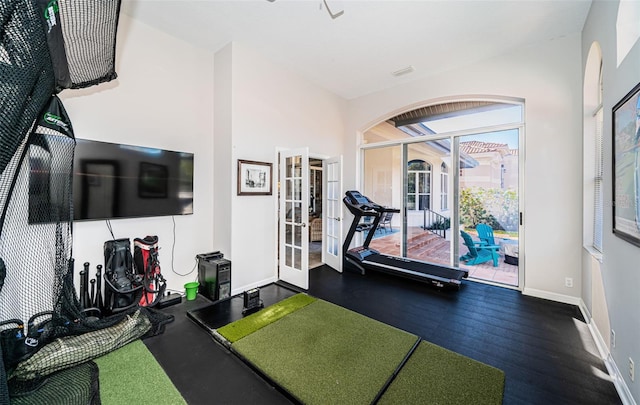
46, 338
82, 38
78, 385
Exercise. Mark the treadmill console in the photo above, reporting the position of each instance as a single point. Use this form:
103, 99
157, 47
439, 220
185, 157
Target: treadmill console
355, 200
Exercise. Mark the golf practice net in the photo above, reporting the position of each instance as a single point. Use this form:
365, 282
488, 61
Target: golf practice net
47, 341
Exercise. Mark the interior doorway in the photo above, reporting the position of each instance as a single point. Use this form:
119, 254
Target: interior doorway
316, 194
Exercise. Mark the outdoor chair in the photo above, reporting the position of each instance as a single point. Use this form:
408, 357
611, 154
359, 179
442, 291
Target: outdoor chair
385, 221
365, 224
485, 233
479, 252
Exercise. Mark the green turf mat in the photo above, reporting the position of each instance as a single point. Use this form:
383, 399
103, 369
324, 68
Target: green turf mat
434, 375
131, 375
326, 354
249, 324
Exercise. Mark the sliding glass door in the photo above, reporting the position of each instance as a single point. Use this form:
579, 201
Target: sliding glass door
488, 205
450, 181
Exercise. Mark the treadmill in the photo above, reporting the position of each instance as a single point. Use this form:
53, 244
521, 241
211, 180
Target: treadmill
363, 258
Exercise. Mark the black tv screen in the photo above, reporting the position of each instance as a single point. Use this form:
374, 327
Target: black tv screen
124, 181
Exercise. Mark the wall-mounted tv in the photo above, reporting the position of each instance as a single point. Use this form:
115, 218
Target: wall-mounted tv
124, 181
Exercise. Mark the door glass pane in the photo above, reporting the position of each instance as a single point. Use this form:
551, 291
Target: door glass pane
298, 236
489, 211
288, 193
383, 185
297, 212
428, 236
297, 259
297, 187
289, 212
296, 166
289, 256
289, 234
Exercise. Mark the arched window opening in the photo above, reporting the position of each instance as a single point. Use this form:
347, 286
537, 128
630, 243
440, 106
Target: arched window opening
593, 154
627, 28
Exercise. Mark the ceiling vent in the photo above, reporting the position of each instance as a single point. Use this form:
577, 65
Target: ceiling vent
403, 71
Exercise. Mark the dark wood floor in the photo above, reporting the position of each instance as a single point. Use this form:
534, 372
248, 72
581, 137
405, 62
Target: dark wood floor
544, 347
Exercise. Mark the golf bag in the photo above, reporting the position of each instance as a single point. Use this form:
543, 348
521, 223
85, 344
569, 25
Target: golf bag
122, 287
147, 265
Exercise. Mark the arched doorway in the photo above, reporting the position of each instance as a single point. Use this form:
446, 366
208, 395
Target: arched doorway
473, 148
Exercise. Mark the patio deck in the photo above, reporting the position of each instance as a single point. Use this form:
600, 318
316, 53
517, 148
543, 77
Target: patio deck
423, 245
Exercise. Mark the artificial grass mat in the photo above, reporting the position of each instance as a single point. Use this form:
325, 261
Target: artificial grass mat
326, 354
321, 353
131, 375
251, 323
434, 375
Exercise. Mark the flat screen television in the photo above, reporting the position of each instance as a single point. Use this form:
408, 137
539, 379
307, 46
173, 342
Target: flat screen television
124, 181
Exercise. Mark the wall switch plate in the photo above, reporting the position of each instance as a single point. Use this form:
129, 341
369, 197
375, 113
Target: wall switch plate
568, 282
632, 371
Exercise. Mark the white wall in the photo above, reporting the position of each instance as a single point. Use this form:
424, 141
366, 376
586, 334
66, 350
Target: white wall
548, 77
163, 98
617, 278
269, 107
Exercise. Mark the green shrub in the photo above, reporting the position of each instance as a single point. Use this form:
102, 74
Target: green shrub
440, 224
494, 207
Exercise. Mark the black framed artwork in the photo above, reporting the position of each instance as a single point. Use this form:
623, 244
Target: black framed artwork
254, 178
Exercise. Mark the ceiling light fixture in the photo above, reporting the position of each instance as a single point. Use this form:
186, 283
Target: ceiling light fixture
333, 16
403, 71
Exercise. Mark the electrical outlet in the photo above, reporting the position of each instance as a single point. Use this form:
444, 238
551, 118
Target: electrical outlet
568, 282
632, 369
613, 338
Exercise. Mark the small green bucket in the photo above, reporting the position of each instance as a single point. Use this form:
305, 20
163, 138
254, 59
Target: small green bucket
192, 290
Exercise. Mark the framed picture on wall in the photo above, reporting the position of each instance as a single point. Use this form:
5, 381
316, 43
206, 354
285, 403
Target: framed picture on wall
254, 178
626, 167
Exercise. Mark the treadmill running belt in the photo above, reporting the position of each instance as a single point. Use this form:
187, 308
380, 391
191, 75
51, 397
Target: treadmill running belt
418, 267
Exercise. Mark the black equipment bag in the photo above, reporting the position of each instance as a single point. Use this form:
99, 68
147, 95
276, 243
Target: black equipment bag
122, 288
147, 265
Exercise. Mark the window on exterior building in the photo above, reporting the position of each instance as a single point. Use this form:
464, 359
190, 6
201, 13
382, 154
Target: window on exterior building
444, 187
418, 185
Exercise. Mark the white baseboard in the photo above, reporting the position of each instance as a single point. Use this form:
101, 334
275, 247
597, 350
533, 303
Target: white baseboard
566, 299
612, 368
254, 285
621, 386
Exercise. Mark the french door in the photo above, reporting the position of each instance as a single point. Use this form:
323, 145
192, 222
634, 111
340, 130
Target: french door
294, 217
332, 255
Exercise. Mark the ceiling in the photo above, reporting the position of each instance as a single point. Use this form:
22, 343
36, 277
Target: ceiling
355, 54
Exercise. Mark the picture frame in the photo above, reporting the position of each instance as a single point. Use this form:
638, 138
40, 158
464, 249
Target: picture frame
254, 178
626, 167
